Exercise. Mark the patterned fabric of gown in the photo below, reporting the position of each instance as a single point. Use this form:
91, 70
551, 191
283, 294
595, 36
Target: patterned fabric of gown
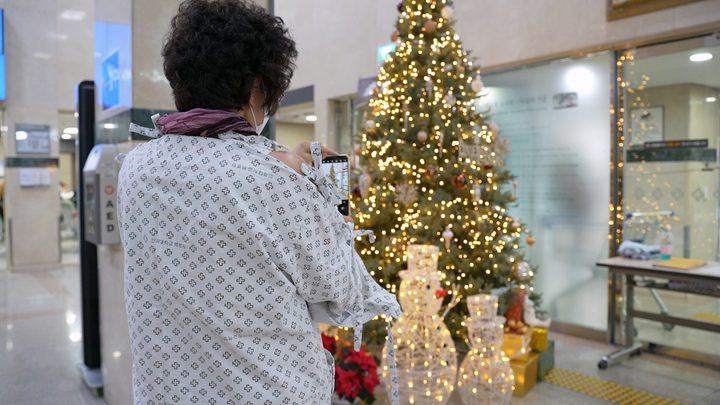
231, 260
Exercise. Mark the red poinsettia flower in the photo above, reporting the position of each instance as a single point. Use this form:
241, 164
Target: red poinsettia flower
329, 343
347, 383
363, 361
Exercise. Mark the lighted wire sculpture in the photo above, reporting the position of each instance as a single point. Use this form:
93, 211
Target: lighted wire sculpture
425, 352
485, 376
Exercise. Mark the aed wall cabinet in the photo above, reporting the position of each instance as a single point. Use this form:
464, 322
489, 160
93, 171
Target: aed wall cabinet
101, 176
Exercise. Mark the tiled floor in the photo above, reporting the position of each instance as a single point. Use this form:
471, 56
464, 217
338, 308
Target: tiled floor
40, 345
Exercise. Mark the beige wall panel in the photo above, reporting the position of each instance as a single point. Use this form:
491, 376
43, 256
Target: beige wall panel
338, 40
292, 134
151, 22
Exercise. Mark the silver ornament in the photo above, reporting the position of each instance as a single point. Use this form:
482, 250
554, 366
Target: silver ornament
447, 236
450, 100
422, 136
447, 12
477, 84
364, 182
522, 272
370, 126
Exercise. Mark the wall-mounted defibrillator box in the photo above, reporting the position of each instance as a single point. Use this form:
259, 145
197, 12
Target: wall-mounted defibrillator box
101, 178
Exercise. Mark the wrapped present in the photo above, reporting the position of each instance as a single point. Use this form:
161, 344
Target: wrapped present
515, 311
546, 360
526, 374
539, 339
517, 347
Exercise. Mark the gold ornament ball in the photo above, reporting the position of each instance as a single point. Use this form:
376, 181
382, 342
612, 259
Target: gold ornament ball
422, 136
395, 35
430, 26
530, 240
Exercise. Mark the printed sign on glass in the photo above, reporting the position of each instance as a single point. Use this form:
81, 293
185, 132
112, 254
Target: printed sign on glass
110, 92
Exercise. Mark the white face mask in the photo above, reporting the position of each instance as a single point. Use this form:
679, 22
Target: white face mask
259, 128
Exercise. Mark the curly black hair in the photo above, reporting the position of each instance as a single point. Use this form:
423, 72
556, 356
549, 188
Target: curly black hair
216, 49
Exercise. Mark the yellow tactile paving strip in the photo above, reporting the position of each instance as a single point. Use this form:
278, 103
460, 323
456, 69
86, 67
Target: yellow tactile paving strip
704, 316
609, 391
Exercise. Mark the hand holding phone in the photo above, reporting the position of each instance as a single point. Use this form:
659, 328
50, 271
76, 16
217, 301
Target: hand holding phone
337, 169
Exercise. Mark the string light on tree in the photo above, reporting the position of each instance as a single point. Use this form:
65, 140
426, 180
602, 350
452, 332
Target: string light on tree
423, 114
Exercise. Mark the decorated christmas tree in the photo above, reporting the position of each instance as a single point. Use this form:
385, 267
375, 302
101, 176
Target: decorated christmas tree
431, 168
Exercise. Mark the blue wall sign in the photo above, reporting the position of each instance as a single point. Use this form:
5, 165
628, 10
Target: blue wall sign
111, 80
2, 54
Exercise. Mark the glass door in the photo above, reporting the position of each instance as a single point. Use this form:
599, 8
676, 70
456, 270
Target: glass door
671, 127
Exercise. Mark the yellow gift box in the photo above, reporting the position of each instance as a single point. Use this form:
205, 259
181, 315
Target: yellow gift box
526, 374
513, 343
539, 339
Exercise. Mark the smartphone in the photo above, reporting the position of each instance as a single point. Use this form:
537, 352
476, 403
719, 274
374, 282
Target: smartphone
337, 169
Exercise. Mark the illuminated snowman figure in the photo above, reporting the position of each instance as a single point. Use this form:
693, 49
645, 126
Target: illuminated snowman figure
424, 350
485, 376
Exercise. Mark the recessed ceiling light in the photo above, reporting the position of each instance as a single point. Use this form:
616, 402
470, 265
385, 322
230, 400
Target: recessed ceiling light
66, 136
72, 15
711, 99
701, 57
109, 126
311, 118
20, 135
71, 130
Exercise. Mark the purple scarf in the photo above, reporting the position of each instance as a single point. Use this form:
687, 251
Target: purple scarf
201, 122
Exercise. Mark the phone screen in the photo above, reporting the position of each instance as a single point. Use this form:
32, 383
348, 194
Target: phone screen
337, 169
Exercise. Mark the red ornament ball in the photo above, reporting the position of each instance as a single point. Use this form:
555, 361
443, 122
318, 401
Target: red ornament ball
430, 26
459, 181
400, 7
395, 35
430, 172
358, 151
355, 191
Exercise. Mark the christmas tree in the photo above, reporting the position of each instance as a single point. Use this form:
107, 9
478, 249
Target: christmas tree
431, 167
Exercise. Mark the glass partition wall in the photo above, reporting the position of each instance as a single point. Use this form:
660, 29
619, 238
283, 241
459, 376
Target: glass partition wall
670, 98
555, 117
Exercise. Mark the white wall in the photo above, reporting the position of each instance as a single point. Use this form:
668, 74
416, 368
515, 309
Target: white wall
338, 40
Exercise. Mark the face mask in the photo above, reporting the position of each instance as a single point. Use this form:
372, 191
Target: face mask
259, 128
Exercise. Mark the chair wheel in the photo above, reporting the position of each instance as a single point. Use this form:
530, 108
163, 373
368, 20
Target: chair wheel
602, 365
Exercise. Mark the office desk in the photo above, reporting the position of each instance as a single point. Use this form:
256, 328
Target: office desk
708, 274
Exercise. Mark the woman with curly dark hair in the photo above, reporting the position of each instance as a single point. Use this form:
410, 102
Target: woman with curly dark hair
234, 251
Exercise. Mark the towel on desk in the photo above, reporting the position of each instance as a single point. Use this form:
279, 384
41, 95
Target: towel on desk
637, 250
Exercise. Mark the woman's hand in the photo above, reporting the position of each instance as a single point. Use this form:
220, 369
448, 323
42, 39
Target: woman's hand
289, 158
303, 150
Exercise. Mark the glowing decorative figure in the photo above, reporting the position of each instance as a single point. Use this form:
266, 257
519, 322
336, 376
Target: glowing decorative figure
425, 352
485, 376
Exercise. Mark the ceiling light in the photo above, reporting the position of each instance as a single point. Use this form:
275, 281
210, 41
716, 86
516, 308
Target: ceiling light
109, 126
701, 57
20, 135
71, 130
711, 99
66, 136
72, 15
311, 118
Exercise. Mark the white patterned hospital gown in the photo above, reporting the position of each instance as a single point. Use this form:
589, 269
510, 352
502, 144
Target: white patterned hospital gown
231, 259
